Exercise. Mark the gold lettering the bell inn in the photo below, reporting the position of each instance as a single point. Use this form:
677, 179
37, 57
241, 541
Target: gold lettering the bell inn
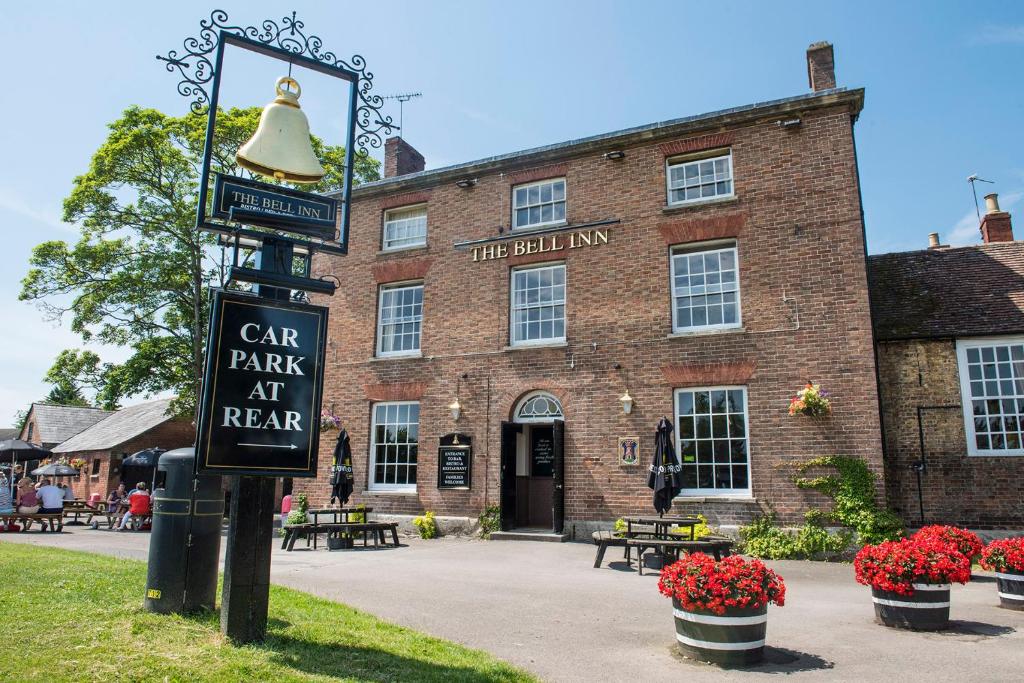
540, 245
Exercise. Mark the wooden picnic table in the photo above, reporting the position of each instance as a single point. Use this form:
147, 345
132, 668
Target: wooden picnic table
78, 508
661, 525
335, 514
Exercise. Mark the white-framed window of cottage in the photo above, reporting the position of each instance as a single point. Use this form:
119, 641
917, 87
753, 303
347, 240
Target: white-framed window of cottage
394, 445
538, 204
399, 319
699, 177
992, 393
405, 228
537, 313
705, 287
712, 441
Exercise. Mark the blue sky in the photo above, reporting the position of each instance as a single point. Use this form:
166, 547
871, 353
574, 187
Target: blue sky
944, 97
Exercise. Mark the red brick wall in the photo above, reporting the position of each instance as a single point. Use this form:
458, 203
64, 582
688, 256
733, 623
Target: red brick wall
800, 235
976, 491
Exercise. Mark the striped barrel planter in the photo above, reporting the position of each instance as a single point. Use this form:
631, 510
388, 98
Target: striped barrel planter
1010, 584
926, 610
736, 637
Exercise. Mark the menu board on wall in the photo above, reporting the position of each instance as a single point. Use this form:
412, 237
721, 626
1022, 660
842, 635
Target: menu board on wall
454, 462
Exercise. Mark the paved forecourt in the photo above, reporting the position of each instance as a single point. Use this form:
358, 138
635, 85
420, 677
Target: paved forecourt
543, 607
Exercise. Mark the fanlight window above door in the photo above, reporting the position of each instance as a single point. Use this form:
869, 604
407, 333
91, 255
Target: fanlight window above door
538, 407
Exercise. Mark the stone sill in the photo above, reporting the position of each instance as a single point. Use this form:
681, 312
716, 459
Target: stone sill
528, 347
381, 359
409, 251
670, 209
389, 493
715, 499
705, 333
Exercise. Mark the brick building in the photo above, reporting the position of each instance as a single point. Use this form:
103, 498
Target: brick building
105, 444
48, 425
950, 330
567, 297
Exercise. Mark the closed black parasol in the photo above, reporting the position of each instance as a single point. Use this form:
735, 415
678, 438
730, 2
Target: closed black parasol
341, 470
664, 476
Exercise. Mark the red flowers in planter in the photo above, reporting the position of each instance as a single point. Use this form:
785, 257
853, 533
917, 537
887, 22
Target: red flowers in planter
897, 565
956, 539
700, 583
1004, 554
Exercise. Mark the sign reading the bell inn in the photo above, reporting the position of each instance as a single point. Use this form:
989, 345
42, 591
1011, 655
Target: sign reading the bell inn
273, 206
260, 409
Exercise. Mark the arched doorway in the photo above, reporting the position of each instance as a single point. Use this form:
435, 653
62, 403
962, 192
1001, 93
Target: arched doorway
532, 492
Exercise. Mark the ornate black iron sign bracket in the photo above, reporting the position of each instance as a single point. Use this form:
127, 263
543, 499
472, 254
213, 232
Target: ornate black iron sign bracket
200, 69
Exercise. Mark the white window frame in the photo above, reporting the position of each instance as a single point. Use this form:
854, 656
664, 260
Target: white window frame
672, 162
373, 484
704, 248
389, 220
512, 306
381, 353
727, 493
542, 224
967, 406
519, 418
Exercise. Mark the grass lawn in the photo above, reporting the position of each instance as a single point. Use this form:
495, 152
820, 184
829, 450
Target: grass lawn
71, 616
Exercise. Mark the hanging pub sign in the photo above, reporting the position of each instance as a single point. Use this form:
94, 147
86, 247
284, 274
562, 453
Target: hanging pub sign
454, 462
260, 409
273, 206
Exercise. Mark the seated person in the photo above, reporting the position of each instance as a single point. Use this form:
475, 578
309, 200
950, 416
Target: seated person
138, 505
117, 501
51, 498
28, 499
6, 502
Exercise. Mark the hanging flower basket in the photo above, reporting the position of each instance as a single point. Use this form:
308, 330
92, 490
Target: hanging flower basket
721, 608
1006, 558
910, 581
329, 421
812, 401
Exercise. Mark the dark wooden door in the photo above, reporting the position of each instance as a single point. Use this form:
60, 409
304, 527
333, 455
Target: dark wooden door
558, 477
508, 474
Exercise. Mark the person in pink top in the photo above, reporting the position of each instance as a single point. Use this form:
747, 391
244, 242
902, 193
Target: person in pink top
286, 507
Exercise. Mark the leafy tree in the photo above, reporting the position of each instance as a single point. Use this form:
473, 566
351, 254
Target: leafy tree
139, 275
66, 395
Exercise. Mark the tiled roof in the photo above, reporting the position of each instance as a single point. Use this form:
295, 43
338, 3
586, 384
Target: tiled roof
9, 433
958, 292
55, 424
119, 427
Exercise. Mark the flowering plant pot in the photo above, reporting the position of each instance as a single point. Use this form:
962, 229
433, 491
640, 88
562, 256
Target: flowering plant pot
953, 538
910, 581
1006, 558
721, 608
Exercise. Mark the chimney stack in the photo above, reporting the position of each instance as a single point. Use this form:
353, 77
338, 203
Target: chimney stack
821, 66
401, 158
995, 224
933, 240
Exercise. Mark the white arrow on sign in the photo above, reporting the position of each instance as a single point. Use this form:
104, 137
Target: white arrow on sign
269, 445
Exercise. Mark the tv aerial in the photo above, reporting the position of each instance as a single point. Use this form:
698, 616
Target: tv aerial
972, 179
402, 99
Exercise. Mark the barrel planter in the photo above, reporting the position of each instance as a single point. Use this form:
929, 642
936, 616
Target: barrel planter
926, 610
736, 637
1010, 584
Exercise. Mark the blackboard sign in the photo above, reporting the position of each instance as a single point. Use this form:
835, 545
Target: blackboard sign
542, 452
454, 462
273, 206
260, 408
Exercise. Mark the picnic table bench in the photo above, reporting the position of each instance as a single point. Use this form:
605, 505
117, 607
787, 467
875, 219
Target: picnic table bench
55, 519
377, 530
717, 547
74, 509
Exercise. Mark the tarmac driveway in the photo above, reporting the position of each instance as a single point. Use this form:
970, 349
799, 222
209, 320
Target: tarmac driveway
543, 607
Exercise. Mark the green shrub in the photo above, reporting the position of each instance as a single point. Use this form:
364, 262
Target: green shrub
761, 538
426, 525
699, 531
490, 520
620, 527
298, 513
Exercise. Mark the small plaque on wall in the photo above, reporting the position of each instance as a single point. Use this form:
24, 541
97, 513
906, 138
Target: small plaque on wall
629, 450
455, 462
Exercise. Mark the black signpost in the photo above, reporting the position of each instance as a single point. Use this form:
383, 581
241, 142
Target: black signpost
260, 411
455, 462
260, 406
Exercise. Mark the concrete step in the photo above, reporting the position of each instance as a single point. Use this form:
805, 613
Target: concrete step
548, 536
